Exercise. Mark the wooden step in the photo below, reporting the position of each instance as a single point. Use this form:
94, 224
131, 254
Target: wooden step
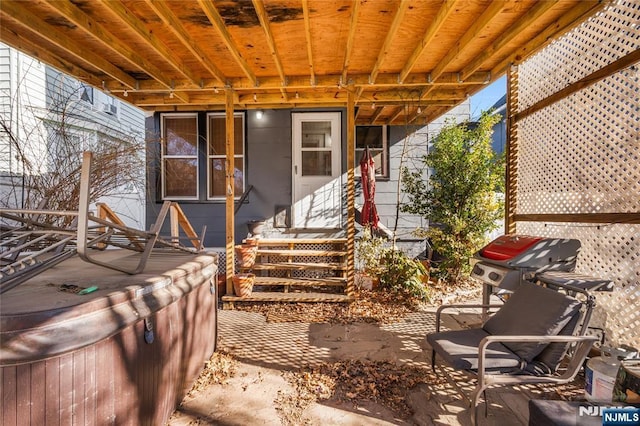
295, 241
300, 281
285, 252
298, 266
258, 296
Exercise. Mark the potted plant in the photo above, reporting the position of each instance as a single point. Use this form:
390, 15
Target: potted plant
243, 284
246, 254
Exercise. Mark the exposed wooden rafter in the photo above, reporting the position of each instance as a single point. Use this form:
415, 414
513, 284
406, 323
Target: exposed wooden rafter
264, 21
109, 41
376, 115
536, 12
31, 22
559, 26
127, 19
218, 23
391, 34
445, 11
307, 33
350, 41
174, 25
495, 7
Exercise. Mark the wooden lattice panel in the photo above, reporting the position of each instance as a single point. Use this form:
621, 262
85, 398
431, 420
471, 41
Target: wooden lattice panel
582, 154
609, 251
603, 39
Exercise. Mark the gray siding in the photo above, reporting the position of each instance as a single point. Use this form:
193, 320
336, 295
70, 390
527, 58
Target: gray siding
268, 169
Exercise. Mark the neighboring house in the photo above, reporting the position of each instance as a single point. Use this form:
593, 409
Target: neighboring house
34, 100
291, 166
499, 138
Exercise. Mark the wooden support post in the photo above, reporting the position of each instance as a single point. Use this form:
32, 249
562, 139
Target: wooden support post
351, 189
230, 190
511, 157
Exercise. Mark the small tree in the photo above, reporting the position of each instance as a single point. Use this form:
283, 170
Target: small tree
460, 195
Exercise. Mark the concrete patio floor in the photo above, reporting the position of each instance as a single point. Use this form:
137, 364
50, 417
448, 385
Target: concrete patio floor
266, 351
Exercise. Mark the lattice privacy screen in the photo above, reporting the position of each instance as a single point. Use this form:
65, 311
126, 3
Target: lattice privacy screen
581, 155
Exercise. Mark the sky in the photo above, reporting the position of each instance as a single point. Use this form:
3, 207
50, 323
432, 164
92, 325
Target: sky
488, 96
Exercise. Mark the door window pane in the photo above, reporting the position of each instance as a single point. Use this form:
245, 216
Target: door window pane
316, 163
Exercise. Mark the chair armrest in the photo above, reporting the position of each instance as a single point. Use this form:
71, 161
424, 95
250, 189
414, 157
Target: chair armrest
584, 344
459, 306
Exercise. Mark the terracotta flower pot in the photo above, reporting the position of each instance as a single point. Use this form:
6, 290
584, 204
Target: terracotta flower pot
243, 284
246, 255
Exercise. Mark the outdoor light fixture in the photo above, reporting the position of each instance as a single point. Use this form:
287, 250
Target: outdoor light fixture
259, 114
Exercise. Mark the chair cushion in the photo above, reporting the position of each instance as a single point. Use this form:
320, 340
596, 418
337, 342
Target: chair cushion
551, 356
459, 348
532, 310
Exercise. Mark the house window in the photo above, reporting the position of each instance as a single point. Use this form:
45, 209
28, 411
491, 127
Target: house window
216, 130
374, 137
179, 156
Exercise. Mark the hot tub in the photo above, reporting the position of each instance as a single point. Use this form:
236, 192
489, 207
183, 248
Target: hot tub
125, 353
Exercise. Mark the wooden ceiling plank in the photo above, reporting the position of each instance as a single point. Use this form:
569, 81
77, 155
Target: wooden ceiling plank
444, 12
33, 23
218, 23
579, 13
173, 23
266, 26
386, 46
307, 32
350, 40
538, 10
126, 17
75, 15
494, 9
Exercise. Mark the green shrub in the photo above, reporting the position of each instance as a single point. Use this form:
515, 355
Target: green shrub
402, 274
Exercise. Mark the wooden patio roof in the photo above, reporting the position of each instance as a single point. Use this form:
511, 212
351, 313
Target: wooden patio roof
406, 61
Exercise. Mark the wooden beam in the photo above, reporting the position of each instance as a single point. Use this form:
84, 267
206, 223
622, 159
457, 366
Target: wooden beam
612, 68
355, 9
445, 11
230, 236
266, 26
78, 17
119, 11
384, 81
351, 190
18, 12
397, 113
172, 23
307, 32
494, 9
538, 10
376, 114
576, 15
218, 23
398, 19
605, 218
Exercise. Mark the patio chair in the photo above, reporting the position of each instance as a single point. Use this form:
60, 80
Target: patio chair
524, 342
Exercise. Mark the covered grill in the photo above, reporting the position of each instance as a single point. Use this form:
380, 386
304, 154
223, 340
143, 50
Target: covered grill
508, 260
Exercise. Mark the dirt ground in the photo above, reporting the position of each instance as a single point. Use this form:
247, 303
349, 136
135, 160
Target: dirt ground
274, 370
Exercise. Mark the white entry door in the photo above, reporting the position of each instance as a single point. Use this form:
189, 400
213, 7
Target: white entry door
317, 182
